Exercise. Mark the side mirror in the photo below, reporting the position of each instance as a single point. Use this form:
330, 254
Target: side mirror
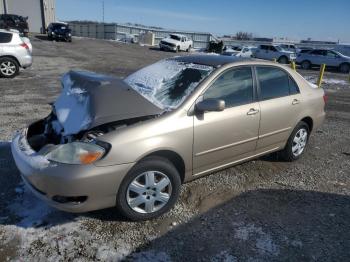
210, 105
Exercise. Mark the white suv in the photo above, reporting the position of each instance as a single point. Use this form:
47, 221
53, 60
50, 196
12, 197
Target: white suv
15, 52
271, 52
176, 42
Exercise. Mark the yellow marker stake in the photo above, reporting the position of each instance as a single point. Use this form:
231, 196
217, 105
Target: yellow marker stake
293, 66
319, 82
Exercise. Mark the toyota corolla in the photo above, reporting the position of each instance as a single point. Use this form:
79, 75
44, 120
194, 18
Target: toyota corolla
130, 143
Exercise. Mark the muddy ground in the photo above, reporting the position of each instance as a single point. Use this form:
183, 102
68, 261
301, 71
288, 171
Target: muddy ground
263, 210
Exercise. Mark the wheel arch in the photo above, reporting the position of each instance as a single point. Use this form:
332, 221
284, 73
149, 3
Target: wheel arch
173, 157
285, 56
344, 63
308, 120
12, 57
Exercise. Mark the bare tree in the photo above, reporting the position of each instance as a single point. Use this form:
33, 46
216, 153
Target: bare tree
244, 35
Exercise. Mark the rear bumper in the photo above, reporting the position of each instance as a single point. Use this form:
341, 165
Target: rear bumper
318, 120
26, 61
47, 180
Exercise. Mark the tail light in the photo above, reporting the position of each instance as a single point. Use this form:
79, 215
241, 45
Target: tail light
25, 46
325, 98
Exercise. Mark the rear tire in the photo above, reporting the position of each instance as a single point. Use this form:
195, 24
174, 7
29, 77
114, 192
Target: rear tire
296, 143
344, 68
283, 60
150, 198
9, 67
306, 65
189, 49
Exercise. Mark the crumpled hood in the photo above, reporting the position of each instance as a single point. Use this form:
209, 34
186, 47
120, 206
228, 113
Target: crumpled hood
89, 100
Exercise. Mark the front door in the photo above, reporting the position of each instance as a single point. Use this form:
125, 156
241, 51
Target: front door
222, 137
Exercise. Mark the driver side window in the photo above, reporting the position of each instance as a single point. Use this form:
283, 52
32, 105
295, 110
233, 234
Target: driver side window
234, 86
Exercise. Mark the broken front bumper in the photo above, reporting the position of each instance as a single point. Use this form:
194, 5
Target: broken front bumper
72, 188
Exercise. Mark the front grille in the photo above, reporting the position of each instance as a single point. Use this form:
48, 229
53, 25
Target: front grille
168, 44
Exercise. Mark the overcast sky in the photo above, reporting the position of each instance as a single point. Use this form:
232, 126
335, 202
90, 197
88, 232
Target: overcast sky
298, 19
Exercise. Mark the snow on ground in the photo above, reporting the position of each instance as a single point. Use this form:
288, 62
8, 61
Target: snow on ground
328, 81
42, 233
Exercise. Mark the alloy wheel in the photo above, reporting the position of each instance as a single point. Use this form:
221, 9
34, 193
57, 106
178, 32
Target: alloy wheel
149, 192
299, 142
8, 68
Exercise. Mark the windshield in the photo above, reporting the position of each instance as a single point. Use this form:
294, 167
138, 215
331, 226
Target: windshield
279, 48
60, 26
175, 37
169, 82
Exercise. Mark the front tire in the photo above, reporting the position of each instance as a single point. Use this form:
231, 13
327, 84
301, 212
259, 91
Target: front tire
283, 60
9, 67
296, 143
344, 68
150, 189
305, 65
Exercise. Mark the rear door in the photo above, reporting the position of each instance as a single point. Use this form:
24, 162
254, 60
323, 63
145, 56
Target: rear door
222, 137
317, 57
262, 52
280, 104
331, 58
5, 40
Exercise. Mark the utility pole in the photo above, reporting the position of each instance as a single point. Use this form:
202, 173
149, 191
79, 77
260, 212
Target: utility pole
103, 11
5, 6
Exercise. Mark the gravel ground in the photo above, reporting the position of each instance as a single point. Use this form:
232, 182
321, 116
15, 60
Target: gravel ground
262, 210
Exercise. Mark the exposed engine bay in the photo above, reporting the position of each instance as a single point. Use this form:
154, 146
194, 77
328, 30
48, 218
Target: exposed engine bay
44, 132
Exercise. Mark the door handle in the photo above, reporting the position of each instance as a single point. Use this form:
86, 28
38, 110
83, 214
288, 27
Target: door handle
252, 111
295, 102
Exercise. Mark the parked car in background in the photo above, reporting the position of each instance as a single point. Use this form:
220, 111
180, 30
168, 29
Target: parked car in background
330, 58
131, 143
59, 31
176, 42
247, 51
270, 52
126, 38
231, 50
15, 53
290, 47
17, 22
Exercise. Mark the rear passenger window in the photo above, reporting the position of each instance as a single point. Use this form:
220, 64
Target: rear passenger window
293, 87
235, 87
5, 38
273, 82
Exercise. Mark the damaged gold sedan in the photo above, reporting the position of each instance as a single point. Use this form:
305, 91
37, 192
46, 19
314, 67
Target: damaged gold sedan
131, 143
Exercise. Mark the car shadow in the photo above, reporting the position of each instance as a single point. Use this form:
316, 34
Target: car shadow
160, 50
42, 37
262, 225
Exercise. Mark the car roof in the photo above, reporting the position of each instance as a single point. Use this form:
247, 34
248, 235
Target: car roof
178, 35
59, 23
211, 60
9, 31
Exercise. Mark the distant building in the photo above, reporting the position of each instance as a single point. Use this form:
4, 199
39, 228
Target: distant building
263, 39
40, 12
309, 41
